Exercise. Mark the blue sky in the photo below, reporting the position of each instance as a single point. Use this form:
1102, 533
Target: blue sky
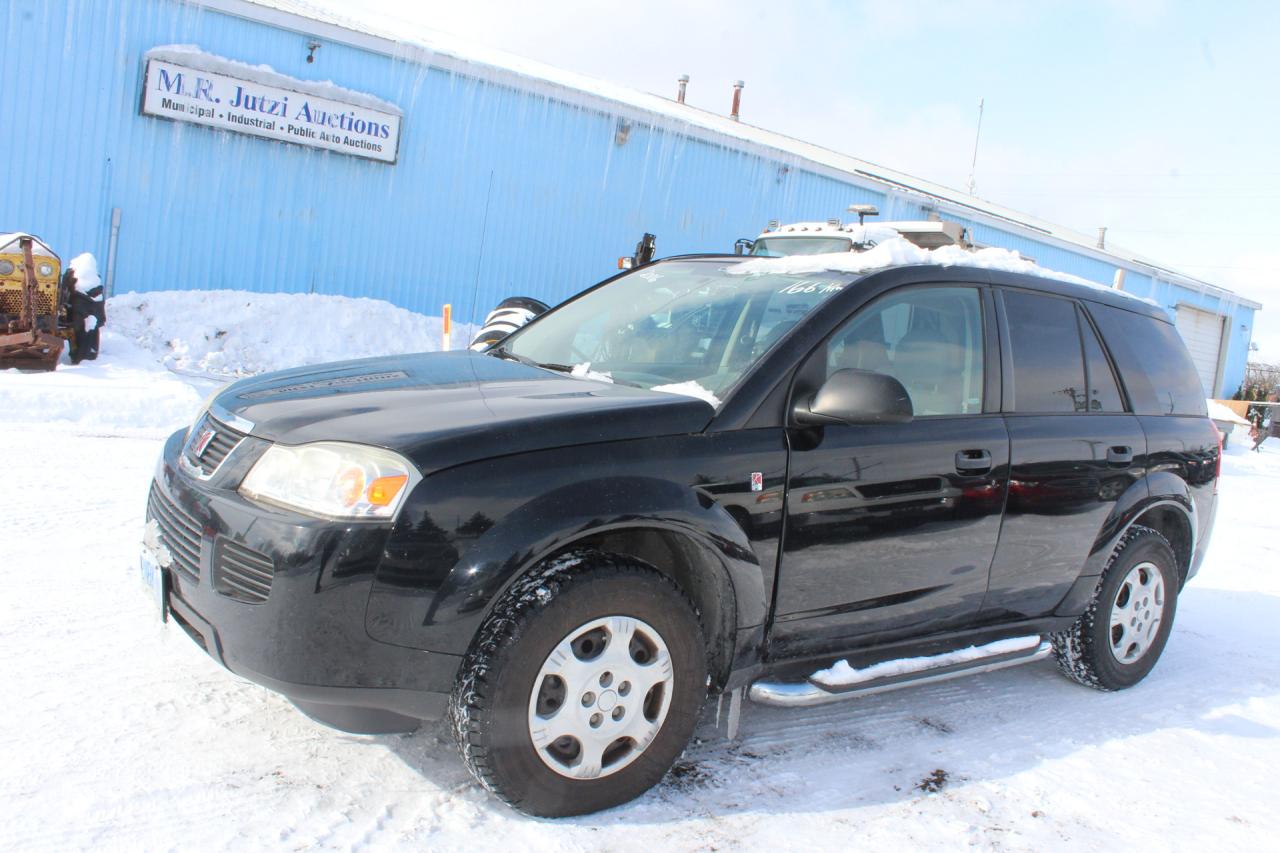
1159, 120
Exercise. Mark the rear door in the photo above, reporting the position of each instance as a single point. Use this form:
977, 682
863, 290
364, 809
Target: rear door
891, 528
1074, 450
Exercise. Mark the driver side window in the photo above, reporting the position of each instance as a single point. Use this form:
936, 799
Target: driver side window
929, 339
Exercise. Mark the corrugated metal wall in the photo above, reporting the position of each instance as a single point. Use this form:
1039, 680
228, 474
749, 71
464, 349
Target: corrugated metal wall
496, 191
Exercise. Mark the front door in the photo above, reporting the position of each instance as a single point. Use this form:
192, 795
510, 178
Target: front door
891, 528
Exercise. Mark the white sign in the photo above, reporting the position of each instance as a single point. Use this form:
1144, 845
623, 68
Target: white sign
230, 103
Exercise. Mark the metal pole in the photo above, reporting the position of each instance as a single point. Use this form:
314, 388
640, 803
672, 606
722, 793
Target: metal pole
737, 99
973, 167
110, 288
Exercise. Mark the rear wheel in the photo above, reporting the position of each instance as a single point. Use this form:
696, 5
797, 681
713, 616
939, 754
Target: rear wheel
582, 687
1119, 639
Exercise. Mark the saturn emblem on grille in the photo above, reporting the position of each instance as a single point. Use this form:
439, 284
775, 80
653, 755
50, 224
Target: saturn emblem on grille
201, 442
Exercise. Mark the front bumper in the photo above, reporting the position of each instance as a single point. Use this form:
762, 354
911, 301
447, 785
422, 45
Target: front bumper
306, 638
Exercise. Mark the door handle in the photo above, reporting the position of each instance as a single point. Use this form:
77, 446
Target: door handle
973, 461
1120, 455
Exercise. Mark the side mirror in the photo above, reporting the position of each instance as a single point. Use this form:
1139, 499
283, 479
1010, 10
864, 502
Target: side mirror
743, 246
856, 397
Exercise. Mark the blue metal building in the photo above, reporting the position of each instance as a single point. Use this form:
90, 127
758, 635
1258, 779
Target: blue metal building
508, 177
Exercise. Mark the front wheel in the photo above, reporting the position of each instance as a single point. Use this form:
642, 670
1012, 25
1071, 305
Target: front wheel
1119, 639
582, 687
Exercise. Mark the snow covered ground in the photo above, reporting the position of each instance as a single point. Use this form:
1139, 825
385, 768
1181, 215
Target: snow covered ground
117, 734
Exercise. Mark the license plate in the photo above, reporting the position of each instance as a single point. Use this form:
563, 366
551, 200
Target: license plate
153, 582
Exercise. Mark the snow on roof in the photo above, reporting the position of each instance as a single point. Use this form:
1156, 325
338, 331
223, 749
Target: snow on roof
899, 251
413, 43
192, 56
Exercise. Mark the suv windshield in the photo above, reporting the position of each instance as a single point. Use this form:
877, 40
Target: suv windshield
673, 323
777, 247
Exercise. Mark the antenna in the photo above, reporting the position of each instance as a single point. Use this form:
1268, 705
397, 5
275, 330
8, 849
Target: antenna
976, 136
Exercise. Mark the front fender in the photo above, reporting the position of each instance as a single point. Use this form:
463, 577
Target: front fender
467, 533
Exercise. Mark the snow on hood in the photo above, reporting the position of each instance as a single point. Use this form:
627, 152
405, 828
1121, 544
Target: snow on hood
898, 251
193, 56
9, 244
689, 389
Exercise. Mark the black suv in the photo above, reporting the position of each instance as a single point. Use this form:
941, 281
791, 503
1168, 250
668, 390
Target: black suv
705, 475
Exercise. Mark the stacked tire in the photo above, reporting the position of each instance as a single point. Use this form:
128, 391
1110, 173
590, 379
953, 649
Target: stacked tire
511, 313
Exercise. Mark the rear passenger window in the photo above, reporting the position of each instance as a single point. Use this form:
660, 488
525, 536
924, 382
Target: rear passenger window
1154, 363
1104, 393
1048, 365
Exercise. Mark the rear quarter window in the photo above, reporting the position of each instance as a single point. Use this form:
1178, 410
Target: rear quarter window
1153, 361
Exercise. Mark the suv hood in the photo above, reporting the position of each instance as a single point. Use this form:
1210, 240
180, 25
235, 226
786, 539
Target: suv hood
444, 409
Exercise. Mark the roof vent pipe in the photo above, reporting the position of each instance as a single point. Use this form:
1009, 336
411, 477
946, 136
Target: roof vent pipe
682, 82
1102, 238
737, 99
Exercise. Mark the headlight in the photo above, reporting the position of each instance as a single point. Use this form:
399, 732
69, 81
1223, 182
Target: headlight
45, 269
332, 479
7, 268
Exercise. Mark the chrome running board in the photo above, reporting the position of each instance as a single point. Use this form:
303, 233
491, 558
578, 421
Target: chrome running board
804, 693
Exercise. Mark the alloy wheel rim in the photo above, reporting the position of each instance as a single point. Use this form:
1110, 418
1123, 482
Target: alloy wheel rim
1136, 613
601, 697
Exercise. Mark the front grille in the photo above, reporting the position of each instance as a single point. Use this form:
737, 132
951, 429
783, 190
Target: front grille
223, 440
179, 533
242, 573
11, 302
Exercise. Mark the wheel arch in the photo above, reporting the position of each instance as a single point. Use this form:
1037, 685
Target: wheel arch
1173, 515
692, 565
1177, 523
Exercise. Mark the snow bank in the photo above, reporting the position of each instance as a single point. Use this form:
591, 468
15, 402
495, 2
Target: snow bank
124, 392
192, 56
227, 334
163, 352
898, 251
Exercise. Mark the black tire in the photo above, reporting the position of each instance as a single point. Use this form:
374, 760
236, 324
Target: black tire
84, 341
490, 704
84, 344
1084, 651
511, 313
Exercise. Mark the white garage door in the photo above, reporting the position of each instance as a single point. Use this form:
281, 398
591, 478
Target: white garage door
1202, 332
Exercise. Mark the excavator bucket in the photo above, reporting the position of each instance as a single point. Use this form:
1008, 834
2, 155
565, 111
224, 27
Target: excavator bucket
30, 351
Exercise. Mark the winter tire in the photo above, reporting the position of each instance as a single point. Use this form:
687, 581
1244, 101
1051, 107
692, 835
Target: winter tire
582, 687
1120, 637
